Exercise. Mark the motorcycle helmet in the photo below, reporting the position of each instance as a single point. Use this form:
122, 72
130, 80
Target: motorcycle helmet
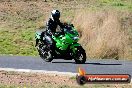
55, 14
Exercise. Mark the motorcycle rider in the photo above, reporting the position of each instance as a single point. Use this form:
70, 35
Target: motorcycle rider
51, 26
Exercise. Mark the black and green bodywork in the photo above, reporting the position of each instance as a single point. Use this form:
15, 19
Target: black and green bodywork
70, 37
66, 46
68, 40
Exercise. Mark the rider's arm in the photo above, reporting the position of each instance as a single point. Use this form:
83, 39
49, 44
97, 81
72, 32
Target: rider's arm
49, 27
61, 25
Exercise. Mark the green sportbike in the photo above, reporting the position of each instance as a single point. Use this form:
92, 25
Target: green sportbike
66, 46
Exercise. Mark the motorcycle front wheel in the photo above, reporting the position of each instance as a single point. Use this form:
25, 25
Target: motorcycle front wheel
80, 56
46, 54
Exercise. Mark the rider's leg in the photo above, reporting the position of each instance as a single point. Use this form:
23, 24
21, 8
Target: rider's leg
36, 42
49, 42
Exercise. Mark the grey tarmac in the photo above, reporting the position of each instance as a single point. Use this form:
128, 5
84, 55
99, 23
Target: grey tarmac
95, 66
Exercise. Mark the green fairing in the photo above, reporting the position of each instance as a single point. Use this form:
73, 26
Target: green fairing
63, 41
66, 47
37, 35
73, 47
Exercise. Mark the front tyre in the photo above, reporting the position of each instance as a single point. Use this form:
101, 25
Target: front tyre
45, 54
80, 56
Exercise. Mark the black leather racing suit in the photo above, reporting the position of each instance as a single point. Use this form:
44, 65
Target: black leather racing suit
52, 25
50, 30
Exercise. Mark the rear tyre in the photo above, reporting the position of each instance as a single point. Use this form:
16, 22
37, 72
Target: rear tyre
80, 56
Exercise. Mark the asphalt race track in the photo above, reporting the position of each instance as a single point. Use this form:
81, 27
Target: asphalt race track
105, 66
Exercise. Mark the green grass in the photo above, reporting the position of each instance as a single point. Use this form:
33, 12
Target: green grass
17, 42
6, 86
119, 4
111, 4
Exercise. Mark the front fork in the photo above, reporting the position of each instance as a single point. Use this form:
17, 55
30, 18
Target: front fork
73, 47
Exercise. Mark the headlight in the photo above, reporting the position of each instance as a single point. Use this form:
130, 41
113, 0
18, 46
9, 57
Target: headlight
75, 38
